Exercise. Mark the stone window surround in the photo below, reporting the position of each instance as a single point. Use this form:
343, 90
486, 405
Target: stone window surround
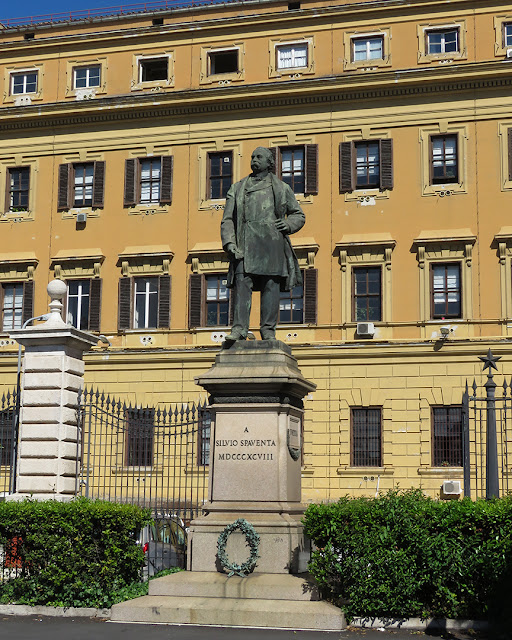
436, 246
155, 85
443, 128
145, 261
503, 240
12, 163
294, 140
221, 78
79, 264
13, 69
503, 129
217, 146
362, 135
82, 157
366, 65
364, 250
149, 208
296, 72
500, 50
71, 65
17, 266
443, 58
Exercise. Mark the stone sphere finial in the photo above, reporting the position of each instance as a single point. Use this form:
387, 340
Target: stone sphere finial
57, 290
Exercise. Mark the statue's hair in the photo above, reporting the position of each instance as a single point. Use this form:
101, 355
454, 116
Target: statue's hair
270, 158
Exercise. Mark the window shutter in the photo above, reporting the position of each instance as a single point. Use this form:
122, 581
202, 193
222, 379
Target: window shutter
95, 304
311, 156
8, 188
195, 300
346, 167
509, 154
164, 302
129, 182
28, 301
386, 164
166, 180
125, 303
98, 185
310, 296
273, 151
64, 186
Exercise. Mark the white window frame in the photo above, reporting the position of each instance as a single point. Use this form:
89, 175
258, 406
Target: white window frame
369, 64
443, 33
367, 40
293, 47
146, 293
15, 325
24, 73
87, 76
81, 298
423, 31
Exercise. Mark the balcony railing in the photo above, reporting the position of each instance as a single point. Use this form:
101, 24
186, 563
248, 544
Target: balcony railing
94, 14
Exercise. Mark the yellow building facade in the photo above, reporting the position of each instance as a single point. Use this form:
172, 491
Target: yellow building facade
391, 122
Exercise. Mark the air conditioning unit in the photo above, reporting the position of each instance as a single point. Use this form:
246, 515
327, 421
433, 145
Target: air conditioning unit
365, 329
81, 217
452, 488
509, 53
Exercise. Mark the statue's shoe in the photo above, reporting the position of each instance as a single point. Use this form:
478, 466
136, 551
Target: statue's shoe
234, 337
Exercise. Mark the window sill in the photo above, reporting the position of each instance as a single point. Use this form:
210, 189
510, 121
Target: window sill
365, 471
72, 213
135, 471
447, 472
16, 216
366, 196
215, 205
147, 210
199, 471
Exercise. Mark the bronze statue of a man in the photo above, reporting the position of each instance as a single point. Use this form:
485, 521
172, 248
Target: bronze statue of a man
260, 213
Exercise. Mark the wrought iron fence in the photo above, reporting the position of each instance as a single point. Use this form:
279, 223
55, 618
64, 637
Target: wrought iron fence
487, 436
8, 441
150, 456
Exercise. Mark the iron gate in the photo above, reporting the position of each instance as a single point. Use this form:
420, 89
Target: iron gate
487, 435
150, 456
9, 411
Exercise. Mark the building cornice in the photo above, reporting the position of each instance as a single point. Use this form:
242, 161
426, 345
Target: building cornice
467, 77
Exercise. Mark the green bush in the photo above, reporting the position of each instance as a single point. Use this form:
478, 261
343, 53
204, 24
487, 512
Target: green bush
404, 554
78, 553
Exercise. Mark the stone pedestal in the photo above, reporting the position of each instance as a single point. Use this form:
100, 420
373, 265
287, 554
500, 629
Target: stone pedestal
47, 460
256, 391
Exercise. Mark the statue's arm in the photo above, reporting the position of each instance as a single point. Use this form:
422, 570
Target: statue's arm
295, 217
227, 226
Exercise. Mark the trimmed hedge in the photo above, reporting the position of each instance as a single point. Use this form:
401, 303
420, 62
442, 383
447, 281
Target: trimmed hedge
404, 554
77, 553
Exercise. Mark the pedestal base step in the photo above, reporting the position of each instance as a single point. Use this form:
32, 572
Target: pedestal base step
261, 600
231, 612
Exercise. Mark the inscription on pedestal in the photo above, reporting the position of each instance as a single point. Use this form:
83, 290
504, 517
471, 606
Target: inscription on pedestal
246, 449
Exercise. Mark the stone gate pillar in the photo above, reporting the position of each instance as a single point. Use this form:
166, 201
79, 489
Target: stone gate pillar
52, 374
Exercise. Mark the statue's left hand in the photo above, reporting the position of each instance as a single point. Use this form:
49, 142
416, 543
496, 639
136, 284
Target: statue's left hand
282, 226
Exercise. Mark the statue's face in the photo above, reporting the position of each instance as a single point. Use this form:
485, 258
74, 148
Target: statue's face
260, 160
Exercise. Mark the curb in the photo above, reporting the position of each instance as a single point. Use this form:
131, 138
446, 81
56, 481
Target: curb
419, 624
53, 612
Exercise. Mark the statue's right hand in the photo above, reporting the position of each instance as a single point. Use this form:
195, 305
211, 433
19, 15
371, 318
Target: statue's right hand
231, 248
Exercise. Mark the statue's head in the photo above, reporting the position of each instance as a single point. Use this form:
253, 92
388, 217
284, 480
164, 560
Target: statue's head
261, 159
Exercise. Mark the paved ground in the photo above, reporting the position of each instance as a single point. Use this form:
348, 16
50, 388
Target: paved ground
41, 628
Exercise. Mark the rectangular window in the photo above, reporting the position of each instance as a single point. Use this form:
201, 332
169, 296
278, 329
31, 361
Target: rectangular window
447, 436
290, 56
150, 180
22, 83
367, 294
443, 159
18, 188
87, 77
12, 306
6, 436
145, 309
153, 69
217, 300
291, 168
205, 422
442, 41
367, 165
366, 437
446, 291
222, 62
368, 48
83, 184
507, 34
220, 174
78, 303
139, 437
291, 306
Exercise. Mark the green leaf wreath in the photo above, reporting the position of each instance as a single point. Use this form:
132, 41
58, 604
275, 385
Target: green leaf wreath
252, 540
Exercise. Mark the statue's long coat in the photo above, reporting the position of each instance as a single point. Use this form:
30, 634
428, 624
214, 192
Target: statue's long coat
285, 206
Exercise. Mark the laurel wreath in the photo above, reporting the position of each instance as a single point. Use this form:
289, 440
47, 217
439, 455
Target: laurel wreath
252, 540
